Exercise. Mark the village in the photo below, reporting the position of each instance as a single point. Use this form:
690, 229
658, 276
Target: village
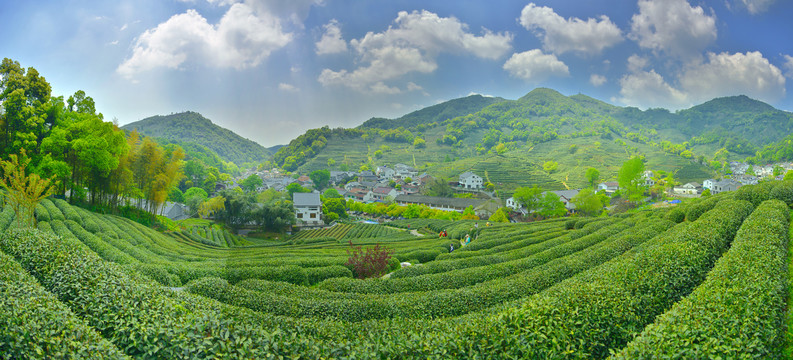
404, 185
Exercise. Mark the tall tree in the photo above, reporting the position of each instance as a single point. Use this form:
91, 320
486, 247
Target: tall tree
528, 197
320, 178
592, 176
630, 178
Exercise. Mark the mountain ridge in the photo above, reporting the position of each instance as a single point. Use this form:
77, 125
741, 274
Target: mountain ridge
192, 127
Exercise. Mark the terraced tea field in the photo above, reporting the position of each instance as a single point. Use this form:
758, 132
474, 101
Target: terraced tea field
706, 279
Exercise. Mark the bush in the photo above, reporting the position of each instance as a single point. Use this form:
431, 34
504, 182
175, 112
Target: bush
676, 215
368, 263
605, 308
34, 324
739, 311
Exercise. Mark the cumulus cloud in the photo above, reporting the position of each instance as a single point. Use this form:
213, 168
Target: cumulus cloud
293, 10
243, 38
288, 87
757, 6
722, 74
726, 74
788, 66
411, 45
534, 66
673, 27
647, 89
331, 41
597, 80
561, 35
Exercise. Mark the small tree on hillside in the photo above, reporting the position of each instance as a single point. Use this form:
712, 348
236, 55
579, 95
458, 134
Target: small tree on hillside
368, 263
23, 191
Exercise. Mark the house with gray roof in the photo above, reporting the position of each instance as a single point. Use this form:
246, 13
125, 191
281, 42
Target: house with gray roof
308, 208
469, 180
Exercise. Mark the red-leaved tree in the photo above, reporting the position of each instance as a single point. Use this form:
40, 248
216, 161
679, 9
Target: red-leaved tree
369, 262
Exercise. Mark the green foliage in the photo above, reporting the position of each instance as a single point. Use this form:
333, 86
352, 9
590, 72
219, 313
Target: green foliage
550, 166
502, 215
191, 129
629, 178
528, 197
251, 182
434, 114
592, 176
35, 324
294, 187
551, 206
320, 178
589, 202
738, 311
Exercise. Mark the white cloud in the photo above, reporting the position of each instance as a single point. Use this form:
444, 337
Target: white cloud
788, 66
757, 6
535, 66
673, 26
385, 64
411, 45
597, 80
331, 41
413, 87
381, 88
647, 89
637, 63
560, 35
721, 75
293, 10
242, 38
288, 87
726, 74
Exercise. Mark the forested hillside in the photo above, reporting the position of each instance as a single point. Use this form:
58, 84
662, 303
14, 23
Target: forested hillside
436, 113
192, 128
512, 140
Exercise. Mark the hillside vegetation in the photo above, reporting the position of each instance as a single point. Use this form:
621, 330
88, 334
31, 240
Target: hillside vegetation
508, 141
637, 285
190, 129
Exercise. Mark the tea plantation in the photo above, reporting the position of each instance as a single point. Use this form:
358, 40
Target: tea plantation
703, 280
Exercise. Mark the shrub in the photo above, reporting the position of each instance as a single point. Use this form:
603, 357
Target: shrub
368, 263
738, 312
676, 215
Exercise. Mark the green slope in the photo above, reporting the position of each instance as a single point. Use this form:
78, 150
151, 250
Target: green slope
192, 128
436, 113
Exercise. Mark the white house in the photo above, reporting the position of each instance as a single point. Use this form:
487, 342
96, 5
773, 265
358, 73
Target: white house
469, 180
691, 188
609, 187
385, 172
725, 185
647, 178
403, 171
511, 203
381, 193
708, 184
308, 208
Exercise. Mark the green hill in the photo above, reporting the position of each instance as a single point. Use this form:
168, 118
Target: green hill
191, 127
510, 140
436, 113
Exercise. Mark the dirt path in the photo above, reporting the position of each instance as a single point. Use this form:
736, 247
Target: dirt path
412, 231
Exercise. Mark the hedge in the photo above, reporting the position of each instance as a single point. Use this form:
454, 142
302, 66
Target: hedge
600, 310
298, 301
739, 311
35, 324
143, 319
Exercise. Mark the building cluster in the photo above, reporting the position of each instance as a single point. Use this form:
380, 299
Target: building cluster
400, 184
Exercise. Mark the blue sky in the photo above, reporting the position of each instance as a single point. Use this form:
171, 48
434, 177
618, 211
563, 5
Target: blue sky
271, 69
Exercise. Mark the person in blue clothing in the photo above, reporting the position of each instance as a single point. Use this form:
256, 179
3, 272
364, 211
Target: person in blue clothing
451, 247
